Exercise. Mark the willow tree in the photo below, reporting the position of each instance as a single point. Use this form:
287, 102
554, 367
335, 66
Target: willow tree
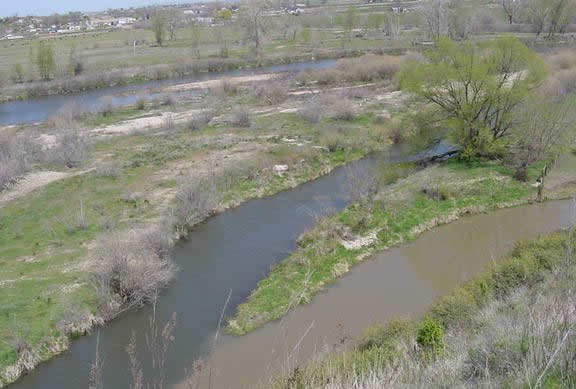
476, 87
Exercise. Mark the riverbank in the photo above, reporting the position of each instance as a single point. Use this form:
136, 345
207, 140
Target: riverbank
131, 181
512, 325
400, 212
182, 70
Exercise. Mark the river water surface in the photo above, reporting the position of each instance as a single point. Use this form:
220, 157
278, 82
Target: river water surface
234, 250
42, 108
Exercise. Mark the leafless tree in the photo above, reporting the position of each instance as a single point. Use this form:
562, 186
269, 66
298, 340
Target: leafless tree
541, 127
173, 22
550, 16
512, 8
435, 13
254, 22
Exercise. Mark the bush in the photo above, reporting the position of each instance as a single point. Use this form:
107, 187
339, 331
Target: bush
386, 336
17, 154
109, 171
430, 336
342, 110
271, 93
168, 101
141, 104
106, 106
128, 272
196, 200
367, 68
225, 87
241, 117
71, 149
200, 120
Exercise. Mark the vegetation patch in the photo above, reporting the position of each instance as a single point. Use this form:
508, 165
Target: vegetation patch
511, 326
399, 212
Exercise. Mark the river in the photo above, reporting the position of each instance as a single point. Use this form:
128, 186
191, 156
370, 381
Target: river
234, 250
42, 108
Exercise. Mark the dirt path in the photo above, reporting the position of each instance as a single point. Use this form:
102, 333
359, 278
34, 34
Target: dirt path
30, 182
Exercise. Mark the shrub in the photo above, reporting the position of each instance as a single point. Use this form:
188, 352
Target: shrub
141, 104
200, 120
126, 271
106, 105
71, 149
17, 154
367, 68
109, 171
225, 87
342, 110
271, 93
430, 336
241, 117
385, 336
196, 200
168, 100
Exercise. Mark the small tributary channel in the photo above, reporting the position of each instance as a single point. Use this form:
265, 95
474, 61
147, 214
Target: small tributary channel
42, 108
234, 250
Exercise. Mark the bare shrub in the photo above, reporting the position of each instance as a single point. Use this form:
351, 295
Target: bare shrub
312, 112
324, 238
141, 104
225, 87
168, 101
271, 93
68, 116
108, 171
106, 105
71, 149
168, 123
157, 240
196, 200
241, 117
363, 183
128, 272
342, 110
437, 190
76, 219
397, 131
201, 119
562, 60
317, 107
367, 68
17, 154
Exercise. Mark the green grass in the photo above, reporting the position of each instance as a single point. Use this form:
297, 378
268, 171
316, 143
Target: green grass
402, 214
43, 255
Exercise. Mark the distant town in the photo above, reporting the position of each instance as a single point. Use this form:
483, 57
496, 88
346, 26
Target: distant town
26, 27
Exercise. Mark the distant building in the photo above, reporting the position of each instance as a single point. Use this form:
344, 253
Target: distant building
126, 21
11, 37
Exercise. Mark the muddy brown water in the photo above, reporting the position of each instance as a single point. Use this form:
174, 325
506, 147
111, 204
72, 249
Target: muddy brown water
399, 282
234, 250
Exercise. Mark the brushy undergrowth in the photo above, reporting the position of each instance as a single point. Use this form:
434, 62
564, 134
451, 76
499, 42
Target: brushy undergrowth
511, 326
398, 213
